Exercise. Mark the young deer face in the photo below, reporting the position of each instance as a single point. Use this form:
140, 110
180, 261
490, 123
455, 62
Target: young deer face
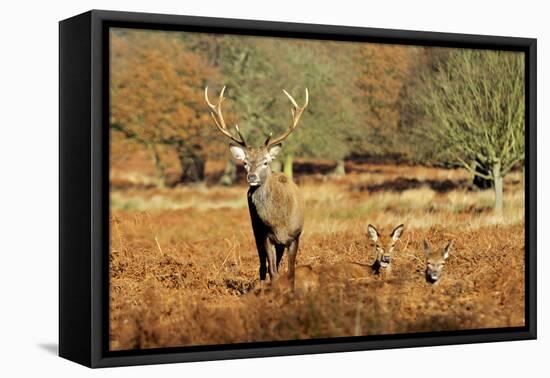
435, 261
384, 244
257, 161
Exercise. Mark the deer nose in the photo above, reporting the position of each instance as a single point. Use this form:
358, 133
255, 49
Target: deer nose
252, 177
386, 259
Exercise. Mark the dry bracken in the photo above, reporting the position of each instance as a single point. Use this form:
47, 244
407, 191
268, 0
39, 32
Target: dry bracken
185, 275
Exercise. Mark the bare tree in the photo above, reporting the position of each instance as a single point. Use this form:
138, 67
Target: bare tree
475, 104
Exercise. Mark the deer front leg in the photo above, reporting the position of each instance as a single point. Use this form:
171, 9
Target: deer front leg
259, 238
271, 260
263, 266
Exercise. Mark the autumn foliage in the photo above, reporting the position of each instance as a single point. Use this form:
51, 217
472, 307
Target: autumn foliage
156, 97
382, 74
363, 98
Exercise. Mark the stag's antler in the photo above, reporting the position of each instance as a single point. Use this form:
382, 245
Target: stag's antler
296, 114
216, 113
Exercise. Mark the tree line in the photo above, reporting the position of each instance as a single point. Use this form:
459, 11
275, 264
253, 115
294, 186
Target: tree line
387, 102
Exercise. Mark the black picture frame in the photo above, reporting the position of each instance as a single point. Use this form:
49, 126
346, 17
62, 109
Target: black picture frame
84, 188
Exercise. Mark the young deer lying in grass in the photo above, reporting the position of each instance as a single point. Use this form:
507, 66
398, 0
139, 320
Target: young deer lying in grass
308, 277
384, 247
435, 261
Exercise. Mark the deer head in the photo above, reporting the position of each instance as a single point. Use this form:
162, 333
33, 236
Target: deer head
384, 244
256, 160
435, 261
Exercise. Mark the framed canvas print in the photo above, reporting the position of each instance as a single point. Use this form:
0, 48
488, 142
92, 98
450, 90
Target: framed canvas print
234, 188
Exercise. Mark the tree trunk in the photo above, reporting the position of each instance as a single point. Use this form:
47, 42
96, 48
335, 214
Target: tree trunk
160, 169
482, 170
498, 182
340, 169
277, 165
229, 174
287, 169
192, 166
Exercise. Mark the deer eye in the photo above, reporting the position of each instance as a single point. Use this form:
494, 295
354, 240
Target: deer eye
265, 163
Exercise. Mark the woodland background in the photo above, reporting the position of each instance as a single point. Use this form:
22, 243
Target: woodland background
369, 102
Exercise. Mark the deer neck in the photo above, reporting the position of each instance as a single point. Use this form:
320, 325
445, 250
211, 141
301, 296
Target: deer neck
258, 197
259, 193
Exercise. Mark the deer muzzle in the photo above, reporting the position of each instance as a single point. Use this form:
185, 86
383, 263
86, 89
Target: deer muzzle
253, 179
432, 276
385, 261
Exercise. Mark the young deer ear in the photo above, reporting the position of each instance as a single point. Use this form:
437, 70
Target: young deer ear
274, 151
427, 248
447, 249
397, 232
372, 233
238, 152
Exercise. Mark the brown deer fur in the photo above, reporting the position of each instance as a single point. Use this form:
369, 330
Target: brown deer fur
276, 208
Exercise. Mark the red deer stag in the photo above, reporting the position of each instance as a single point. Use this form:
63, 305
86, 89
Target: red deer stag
275, 205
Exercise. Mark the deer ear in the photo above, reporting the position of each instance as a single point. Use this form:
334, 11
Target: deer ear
427, 248
372, 233
447, 249
274, 150
397, 232
238, 152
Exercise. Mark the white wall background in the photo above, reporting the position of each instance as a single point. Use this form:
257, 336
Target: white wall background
29, 189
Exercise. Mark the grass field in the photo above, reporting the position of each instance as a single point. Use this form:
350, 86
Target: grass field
184, 267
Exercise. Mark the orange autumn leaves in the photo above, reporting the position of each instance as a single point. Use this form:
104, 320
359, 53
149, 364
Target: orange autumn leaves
156, 91
158, 80
383, 72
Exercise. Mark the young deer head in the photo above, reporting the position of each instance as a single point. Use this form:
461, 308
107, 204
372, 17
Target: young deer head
257, 161
384, 245
435, 261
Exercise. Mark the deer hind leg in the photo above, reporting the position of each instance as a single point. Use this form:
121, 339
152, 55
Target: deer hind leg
271, 260
280, 249
292, 252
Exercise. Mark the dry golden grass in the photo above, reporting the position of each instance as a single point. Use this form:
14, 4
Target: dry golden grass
184, 267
